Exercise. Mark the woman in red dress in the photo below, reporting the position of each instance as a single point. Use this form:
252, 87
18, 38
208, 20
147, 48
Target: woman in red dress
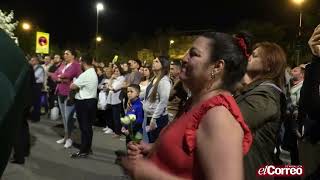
210, 137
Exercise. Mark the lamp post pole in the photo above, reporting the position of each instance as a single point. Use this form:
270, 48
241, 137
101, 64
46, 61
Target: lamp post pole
99, 7
298, 44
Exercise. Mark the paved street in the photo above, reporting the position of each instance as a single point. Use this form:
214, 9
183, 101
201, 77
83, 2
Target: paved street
50, 161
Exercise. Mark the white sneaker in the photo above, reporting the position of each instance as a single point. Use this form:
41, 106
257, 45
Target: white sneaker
68, 143
61, 141
105, 129
109, 131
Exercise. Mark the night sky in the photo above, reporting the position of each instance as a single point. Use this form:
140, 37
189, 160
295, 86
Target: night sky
75, 20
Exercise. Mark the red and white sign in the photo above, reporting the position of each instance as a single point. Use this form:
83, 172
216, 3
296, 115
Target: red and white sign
280, 171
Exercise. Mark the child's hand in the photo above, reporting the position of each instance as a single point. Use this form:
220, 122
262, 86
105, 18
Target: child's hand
124, 131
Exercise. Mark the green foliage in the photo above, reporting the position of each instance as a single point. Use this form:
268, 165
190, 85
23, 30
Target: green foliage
180, 46
146, 55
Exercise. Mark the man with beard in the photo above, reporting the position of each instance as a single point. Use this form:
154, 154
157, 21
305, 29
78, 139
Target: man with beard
57, 61
291, 127
178, 94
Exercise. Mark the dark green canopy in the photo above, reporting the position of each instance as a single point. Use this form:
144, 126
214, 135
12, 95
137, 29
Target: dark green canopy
15, 93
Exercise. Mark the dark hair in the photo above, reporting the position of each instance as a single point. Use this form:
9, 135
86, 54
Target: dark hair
149, 67
165, 63
87, 58
176, 62
48, 56
120, 70
274, 62
136, 87
225, 47
248, 39
72, 51
138, 62
35, 58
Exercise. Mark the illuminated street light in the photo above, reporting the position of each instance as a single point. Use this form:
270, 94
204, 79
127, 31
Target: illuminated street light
98, 39
100, 7
298, 2
171, 42
26, 26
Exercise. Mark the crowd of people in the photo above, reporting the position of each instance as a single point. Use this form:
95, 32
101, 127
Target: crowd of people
117, 90
224, 110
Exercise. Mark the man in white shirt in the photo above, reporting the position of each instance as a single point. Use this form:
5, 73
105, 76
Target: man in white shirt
297, 81
86, 104
297, 74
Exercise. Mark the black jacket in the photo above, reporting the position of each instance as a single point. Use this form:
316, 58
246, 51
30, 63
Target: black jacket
309, 104
15, 94
310, 93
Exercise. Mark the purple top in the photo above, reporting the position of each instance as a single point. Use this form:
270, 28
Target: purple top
73, 71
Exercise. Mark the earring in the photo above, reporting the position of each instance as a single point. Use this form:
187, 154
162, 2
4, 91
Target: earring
213, 75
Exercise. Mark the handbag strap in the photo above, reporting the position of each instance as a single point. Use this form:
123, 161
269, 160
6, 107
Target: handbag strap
148, 89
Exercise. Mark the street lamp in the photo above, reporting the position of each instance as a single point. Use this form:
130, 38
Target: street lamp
298, 50
98, 39
99, 7
26, 26
299, 4
171, 42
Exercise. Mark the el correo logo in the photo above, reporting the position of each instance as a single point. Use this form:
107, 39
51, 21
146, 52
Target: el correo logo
281, 171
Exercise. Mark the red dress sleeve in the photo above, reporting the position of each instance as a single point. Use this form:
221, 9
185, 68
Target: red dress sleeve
219, 100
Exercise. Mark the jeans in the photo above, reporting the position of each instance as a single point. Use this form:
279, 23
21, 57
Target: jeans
116, 115
152, 136
67, 114
145, 123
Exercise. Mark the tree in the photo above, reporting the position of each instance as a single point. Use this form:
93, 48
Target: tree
180, 46
7, 24
146, 56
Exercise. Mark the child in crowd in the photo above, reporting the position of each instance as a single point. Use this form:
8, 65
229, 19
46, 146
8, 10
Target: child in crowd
134, 107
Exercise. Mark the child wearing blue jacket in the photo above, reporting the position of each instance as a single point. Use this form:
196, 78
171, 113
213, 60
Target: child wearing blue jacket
134, 107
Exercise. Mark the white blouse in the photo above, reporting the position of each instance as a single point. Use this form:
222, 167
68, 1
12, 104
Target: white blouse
117, 85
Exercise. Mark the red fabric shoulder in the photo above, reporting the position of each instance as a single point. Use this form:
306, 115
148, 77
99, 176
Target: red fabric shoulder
197, 114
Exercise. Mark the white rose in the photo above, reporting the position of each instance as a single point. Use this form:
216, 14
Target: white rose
132, 117
125, 120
